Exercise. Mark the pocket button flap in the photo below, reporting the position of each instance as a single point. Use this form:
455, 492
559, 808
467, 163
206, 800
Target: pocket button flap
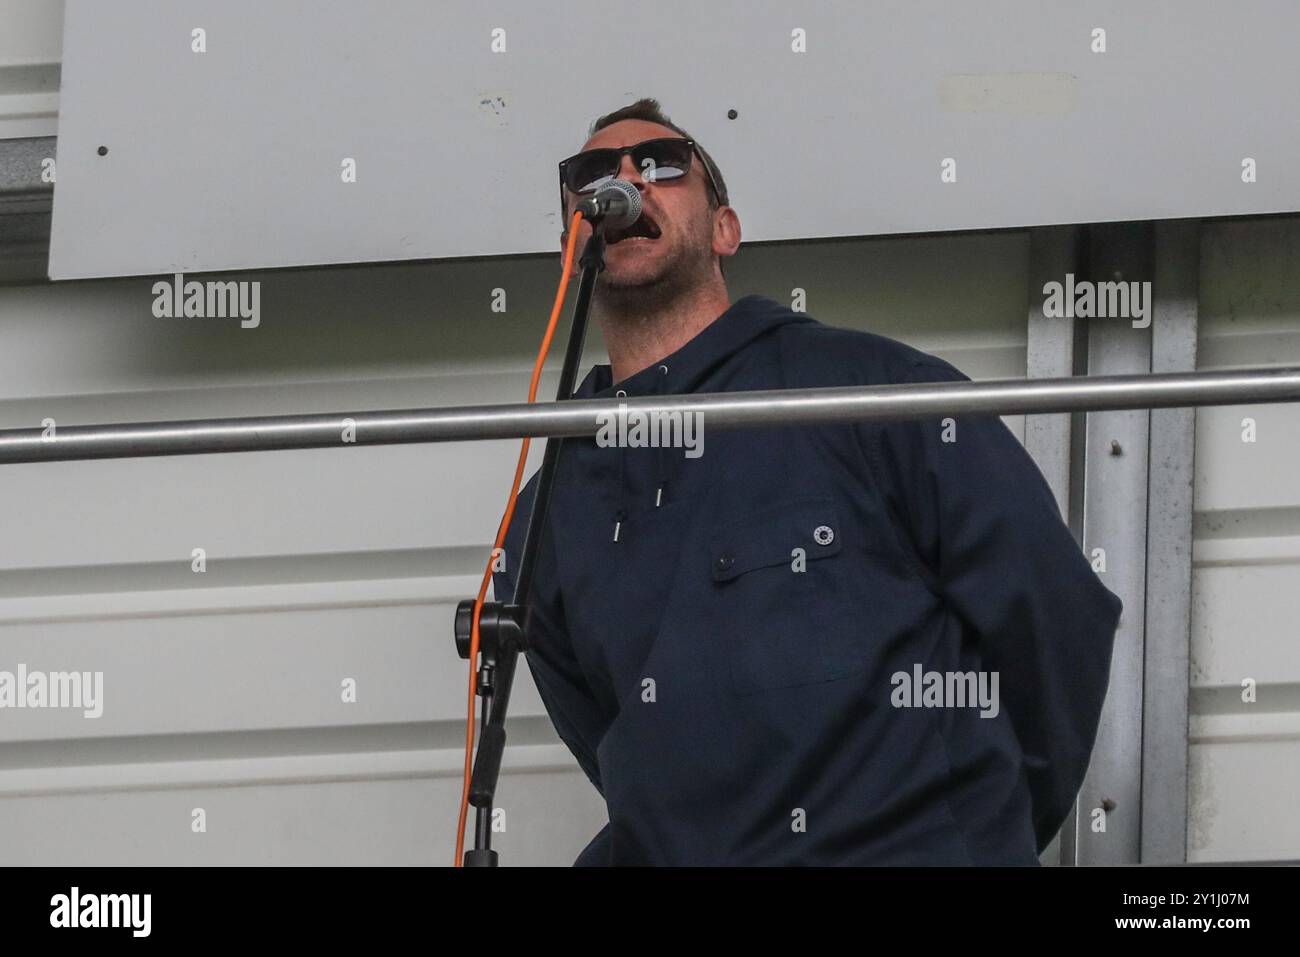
770, 536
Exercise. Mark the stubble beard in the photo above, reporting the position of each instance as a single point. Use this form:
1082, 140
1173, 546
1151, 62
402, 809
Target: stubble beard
679, 275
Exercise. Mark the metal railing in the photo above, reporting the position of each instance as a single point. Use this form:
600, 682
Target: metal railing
584, 417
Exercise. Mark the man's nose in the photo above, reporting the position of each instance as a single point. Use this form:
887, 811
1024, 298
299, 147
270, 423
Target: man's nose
630, 172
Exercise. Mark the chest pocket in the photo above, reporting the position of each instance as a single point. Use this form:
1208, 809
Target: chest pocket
783, 596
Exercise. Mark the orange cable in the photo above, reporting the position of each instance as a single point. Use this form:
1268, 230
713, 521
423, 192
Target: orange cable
502, 529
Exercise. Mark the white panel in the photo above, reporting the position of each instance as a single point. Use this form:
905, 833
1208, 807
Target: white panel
1243, 799
31, 44
1243, 622
1240, 466
231, 158
242, 671
550, 815
33, 31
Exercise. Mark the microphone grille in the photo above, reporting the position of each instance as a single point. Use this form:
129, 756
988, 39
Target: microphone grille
632, 213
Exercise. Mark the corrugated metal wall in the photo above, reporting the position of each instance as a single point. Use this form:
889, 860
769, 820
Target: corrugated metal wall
31, 48
1244, 761
222, 689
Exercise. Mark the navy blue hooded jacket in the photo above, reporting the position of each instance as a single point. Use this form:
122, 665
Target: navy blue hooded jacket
736, 705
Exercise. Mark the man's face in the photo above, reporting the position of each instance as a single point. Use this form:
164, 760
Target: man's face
683, 253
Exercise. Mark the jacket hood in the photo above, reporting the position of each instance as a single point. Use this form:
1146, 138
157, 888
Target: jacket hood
747, 321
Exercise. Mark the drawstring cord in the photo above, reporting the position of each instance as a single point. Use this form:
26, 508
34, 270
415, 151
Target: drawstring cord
620, 515
661, 472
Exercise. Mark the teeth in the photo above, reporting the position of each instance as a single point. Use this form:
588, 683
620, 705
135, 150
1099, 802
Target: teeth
640, 230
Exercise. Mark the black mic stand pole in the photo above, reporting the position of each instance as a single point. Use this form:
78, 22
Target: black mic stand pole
503, 628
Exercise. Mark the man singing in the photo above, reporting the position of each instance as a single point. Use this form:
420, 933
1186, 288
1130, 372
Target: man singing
848, 643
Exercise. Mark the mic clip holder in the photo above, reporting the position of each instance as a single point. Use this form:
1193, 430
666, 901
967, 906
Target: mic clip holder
591, 211
500, 628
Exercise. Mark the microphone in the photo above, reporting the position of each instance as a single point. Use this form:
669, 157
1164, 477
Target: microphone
617, 204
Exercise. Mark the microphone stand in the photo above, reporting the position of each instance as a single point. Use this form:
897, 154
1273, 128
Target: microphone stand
503, 628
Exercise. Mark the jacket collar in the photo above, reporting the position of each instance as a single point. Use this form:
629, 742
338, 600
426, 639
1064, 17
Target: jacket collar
745, 320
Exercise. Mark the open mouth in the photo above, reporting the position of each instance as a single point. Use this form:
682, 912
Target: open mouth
644, 229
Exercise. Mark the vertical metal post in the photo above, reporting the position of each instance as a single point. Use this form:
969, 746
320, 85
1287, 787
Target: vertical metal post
1053, 252
1108, 825
1169, 552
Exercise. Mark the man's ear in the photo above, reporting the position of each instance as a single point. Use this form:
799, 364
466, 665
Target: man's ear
726, 232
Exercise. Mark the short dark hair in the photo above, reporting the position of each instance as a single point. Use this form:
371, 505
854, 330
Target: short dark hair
648, 109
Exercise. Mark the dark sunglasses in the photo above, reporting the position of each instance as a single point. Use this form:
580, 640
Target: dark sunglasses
659, 160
